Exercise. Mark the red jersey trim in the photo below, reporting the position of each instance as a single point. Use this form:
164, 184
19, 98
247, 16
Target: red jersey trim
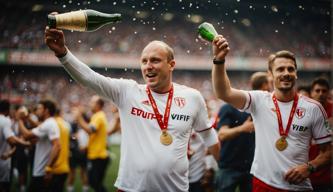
260, 186
204, 130
249, 101
322, 137
318, 104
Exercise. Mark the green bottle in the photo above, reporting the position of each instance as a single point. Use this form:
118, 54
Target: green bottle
83, 20
207, 31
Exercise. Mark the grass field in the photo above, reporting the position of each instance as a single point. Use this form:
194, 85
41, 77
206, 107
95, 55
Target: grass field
109, 180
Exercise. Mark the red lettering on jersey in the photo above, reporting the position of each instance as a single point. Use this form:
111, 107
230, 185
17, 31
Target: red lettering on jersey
139, 112
180, 101
133, 111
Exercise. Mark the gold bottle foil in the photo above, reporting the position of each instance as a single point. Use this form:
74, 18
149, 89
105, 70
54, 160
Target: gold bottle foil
76, 20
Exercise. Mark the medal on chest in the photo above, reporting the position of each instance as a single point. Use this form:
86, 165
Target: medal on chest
282, 143
165, 138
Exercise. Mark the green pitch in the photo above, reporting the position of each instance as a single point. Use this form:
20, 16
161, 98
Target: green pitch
111, 174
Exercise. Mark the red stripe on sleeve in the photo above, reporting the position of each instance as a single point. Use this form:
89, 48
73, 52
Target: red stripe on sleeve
318, 104
204, 130
249, 101
322, 137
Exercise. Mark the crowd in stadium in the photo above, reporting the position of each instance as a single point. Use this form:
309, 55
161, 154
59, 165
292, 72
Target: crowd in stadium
128, 36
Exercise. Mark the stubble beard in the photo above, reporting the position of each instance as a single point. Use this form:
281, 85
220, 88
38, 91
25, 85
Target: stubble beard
287, 89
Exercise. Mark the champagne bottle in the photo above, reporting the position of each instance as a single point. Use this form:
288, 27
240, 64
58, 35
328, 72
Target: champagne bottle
207, 31
83, 20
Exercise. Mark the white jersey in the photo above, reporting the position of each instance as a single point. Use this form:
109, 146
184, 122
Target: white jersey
197, 165
82, 138
145, 163
5, 133
270, 165
46, 132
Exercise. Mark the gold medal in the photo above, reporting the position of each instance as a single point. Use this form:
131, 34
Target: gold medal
165, 138
281, 144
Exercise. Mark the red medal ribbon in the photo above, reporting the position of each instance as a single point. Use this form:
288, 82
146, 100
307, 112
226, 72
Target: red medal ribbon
291, 115
163, 125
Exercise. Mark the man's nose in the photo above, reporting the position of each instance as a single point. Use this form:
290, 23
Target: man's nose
149, 65
286, 72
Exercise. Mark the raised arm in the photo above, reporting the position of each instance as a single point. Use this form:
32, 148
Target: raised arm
79, 71
221, 82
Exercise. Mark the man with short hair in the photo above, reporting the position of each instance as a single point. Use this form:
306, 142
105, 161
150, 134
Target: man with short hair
156, 118
98, 157
47, 146
320, 92
284, 122
321, 180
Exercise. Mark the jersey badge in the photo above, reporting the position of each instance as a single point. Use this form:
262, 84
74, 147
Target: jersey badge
300, 112
180, 101
146, 102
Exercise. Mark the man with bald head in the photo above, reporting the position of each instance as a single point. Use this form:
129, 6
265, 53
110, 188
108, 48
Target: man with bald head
156, 118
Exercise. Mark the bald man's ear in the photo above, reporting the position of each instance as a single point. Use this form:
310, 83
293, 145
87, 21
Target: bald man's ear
172, 64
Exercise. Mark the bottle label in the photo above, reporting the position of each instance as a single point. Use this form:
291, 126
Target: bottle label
76, 20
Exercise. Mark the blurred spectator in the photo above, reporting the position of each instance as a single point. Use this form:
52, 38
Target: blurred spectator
321, 179
304, 90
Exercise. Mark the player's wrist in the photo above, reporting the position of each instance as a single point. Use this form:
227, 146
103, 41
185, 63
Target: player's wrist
61, 53
311, 168
218, 61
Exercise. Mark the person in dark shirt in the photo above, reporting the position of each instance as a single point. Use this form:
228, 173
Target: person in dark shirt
236, 133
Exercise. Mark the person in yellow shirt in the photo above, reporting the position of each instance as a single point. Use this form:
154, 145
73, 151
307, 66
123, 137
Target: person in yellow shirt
59, 171
98, 157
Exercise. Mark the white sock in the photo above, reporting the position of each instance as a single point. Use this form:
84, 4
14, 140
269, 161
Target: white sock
70, 188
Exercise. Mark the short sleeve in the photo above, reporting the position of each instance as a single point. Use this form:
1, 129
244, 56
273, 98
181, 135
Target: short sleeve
95, 123
7, 131
253, 98
202, 125
201, 121
47, 129
209, 137
320, 126
54, 132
